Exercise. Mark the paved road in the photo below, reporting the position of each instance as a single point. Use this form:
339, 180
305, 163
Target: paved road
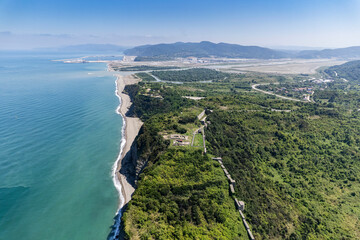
277, 95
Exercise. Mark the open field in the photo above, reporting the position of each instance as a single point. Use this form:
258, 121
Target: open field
293, 67
282, 66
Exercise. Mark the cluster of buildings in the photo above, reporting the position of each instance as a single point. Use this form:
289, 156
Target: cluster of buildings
282, 89
179, 140
319, 81
128, 58
304, 89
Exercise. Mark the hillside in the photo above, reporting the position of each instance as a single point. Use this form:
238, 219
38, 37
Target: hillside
209, 49
349, 71
298, 175
182, 193
350, 52
202, 49
296, 167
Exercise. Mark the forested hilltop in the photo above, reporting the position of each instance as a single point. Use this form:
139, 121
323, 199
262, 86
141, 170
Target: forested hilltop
349, 52
349, 71
162, 52
202, 49
296, 164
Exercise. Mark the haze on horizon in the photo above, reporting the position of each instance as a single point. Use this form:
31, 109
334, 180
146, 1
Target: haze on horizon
283, 23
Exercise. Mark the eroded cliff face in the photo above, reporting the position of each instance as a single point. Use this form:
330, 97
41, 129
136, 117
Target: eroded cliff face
139, 163
146, 149
135, 161
148, 144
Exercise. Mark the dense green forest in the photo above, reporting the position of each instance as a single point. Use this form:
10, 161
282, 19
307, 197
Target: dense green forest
297, 170
349, 52
182, 194
145, 76
146, 106
144, 68
350, 71
191, 75
202, 49
161, 52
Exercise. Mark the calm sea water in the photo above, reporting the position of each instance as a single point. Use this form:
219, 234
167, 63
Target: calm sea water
59, 137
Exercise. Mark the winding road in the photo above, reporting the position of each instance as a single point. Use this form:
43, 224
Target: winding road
277, 95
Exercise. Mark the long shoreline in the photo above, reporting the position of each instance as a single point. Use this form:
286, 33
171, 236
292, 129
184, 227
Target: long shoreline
116, 180
130, 129
127, 137
116, 167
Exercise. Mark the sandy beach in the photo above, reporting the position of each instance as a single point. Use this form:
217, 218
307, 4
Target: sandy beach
132, 127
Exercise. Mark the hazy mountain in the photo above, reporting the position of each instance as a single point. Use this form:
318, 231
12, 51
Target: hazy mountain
209, 49
349, 52
203, 49
349, 71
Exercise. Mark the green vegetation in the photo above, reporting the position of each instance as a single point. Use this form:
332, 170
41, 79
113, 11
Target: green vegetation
350, 71
144, 68
145, 106
152, 58
198, 141
297, 171
160, 52
191, 75
183, 195
145, 77
349, 52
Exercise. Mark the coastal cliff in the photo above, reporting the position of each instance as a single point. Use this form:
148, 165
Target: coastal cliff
144, 146
138, 146
133, 162
131, 128
181, 192
123, 174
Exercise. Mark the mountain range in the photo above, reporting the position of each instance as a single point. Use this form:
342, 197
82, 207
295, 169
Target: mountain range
204, 49
349, 52
209, 49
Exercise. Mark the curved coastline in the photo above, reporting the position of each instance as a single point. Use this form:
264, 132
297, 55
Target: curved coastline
130, 129
115, 171
116, 166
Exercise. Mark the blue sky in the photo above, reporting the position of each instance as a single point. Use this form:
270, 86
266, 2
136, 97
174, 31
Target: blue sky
47, 23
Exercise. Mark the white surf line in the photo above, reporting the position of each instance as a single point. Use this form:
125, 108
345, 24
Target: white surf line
122, 144
115, 179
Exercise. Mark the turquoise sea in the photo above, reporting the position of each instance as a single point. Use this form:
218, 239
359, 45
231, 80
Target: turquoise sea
59, 137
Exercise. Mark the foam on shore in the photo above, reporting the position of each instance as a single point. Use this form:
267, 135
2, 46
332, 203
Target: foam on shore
115, 178
130, 129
